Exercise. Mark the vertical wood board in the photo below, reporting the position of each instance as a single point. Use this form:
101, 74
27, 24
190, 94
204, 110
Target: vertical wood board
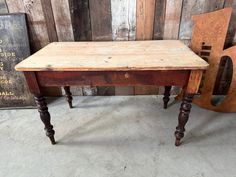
49, 18
172, 19
124, 19
62, 20
145, 19
80, 18
100, 14
159, 19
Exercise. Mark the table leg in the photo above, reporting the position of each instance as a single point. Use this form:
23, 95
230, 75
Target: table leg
45, 116
183, 117
166, 97
68, 96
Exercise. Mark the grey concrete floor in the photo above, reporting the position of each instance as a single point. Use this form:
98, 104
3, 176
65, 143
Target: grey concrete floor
117, 137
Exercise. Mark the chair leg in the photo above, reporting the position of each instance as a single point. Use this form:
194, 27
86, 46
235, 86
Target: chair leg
166, 97
68, 95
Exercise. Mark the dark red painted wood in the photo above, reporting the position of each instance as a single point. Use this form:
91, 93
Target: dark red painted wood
32, 82
112, 78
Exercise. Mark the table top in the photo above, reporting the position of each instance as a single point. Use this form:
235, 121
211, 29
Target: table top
113, 56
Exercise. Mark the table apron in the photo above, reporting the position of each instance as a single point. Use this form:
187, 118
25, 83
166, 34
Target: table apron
112, 78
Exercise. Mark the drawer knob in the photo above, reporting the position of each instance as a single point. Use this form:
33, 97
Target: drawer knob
126, 75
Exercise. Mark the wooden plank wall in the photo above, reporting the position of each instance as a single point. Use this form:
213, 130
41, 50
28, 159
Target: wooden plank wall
105, 20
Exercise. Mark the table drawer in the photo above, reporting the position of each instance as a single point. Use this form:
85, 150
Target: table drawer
112, 78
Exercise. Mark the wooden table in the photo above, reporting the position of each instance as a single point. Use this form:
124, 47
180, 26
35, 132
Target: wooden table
138, 63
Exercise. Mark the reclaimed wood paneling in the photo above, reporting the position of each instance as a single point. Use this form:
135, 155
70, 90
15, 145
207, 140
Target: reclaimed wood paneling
172, 19
101, 20
62, 18
49, 18
80, 18
36, 21
3, 7
159, 20
123, 28
144, 31
14, 47
145, 19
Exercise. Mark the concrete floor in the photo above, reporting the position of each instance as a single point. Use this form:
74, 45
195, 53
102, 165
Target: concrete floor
117, 137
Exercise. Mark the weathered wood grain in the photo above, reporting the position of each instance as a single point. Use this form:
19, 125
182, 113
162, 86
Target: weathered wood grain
36, 21
49, 18
192, 7
3, 7
105, 56
80, 18
194, 81
159, 20
101, 20
172, 19
145, 19
62, 18
124, 21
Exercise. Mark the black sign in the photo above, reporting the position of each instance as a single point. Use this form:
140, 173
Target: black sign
14, 47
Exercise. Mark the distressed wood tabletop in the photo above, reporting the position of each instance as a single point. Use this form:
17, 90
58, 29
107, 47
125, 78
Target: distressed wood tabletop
115, 56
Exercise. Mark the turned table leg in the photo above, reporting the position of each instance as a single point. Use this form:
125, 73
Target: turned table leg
68, 96
45, 116
183, 118
166, 97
